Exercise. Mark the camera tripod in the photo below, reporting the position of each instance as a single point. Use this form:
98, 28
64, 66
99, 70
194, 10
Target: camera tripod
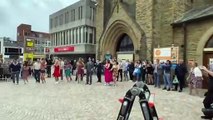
141, 90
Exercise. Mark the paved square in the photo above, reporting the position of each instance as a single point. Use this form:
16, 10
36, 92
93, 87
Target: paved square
72, 101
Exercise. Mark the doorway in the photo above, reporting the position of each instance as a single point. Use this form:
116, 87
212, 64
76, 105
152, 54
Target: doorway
125, 48
207, 60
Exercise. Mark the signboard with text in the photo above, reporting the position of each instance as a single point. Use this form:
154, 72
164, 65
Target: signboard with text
29, 45
64, 49
163, 54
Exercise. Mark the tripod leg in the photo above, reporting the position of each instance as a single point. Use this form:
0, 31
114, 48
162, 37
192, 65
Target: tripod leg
145, 110
126, 107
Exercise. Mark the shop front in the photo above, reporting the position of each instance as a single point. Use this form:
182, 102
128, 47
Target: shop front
74, 52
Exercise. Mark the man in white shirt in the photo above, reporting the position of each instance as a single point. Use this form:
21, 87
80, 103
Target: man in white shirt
62, 68
36, 70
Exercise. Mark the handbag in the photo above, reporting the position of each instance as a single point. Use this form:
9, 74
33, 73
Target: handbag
175, 80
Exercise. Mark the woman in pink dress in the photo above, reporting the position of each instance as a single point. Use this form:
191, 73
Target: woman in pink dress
108, 72
56, 72
25, 72
80, 69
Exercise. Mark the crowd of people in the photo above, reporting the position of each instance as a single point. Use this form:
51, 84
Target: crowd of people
160, 74
163, 75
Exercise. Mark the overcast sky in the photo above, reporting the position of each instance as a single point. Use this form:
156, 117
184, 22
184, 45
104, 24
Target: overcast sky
33, 12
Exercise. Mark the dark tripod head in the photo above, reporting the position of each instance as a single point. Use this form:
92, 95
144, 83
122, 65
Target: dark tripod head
141, 90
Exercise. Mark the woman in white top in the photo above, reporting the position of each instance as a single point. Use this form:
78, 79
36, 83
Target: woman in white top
195, 78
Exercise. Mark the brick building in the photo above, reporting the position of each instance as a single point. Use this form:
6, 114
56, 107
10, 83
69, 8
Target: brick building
40, 40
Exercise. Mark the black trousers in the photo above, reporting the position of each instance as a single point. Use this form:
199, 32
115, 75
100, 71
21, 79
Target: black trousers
208, 99
48, 71
62, 75
37, 75
181, 81
131, 75
120, 72
99, 76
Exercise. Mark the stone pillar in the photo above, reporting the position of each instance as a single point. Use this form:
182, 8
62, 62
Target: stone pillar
71, 35
99, 26
82, 34
144, 16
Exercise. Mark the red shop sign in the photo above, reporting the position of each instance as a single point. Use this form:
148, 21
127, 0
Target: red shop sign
64, 49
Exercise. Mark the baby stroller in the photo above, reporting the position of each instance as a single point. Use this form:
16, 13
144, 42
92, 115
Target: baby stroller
208, 104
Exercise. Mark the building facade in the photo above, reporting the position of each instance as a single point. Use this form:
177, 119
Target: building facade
133, 28
145, 23
34, 42
10, 50
73, 31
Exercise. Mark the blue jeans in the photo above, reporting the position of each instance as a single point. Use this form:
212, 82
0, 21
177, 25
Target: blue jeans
138, 76
157, 79
167, 80
125, 74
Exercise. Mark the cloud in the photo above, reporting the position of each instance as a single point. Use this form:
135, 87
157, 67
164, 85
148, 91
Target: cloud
33, 12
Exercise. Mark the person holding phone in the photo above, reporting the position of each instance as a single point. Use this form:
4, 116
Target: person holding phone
209, 94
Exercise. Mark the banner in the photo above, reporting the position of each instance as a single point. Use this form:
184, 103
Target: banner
164, 54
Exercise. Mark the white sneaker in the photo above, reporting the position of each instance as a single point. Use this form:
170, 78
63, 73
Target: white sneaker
56, 82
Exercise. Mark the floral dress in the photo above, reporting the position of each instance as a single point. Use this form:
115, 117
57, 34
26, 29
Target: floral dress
195, 82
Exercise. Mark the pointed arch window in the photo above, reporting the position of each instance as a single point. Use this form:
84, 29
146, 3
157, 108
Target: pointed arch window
209, 44
125, 44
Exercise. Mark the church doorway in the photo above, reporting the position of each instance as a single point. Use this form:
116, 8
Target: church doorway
125, 48
208, 57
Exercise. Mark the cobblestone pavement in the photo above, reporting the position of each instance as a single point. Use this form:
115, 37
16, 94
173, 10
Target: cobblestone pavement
73, 101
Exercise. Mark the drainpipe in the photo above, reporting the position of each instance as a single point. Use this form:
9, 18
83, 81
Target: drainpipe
185, 43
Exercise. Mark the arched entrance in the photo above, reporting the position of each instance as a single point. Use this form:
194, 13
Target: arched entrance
125, 48
208, 56
118, 36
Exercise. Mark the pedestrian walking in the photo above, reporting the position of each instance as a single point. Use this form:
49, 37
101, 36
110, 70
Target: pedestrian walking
120, 70
89, 71
49, 65
131, 68
25, 72
42, 70
62, 68
36, 70
137, 71
167, 75
80, 70
195, 78
150, 71
180, 72
126, 63
15, 68
115, 72
99, 69
108, 72
157, 73
68, 70
56, 72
